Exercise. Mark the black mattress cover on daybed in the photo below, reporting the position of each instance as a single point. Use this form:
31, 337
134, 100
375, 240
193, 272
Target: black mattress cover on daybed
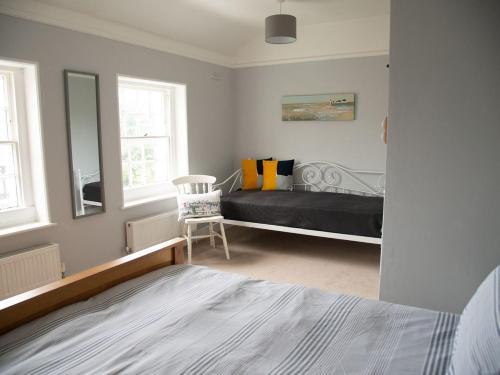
92, 191
329, 212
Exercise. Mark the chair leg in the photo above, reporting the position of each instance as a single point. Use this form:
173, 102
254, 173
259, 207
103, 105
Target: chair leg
190, 245
224, 241
212, 236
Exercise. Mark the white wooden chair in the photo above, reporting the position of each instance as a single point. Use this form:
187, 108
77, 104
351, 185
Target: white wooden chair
198, 184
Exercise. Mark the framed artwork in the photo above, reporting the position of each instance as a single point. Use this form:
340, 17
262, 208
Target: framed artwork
321, 107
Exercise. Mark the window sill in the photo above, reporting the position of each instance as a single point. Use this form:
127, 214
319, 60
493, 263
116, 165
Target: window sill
24, 228
141, 202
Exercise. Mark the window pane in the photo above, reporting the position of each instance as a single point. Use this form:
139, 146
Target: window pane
156, 102
135, 147
127, 100
8, 160
3, 92
8, 193
130, 125
9, 181
149, 151
4, 125
144, 112
136, 172
147, 161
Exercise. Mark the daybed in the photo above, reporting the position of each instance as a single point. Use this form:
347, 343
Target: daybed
326, 200
191, 320
92, 193
87, 190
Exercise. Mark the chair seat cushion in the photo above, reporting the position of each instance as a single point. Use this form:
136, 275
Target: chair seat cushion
199, 205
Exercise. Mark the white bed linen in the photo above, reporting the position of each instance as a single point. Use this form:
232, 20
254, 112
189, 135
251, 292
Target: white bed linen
193, 320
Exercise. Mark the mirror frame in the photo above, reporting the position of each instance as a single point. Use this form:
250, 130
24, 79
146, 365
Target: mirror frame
99, 143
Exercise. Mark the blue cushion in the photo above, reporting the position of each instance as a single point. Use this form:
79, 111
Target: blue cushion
476, 348
285, 167
260, 167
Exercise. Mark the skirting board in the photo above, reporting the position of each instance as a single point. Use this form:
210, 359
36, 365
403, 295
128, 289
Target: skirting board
307, 232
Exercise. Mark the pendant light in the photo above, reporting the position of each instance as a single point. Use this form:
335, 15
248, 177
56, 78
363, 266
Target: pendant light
281, 28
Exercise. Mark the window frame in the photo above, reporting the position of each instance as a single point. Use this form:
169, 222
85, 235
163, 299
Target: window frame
32, 211
25, 211
133, 196
14, 140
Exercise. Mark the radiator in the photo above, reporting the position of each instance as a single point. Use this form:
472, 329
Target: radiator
29, 269
152, 230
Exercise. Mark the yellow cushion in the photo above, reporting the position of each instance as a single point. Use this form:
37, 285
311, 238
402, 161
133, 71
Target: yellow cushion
270, 174
249, 168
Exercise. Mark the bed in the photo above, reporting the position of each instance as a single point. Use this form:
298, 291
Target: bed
322, 211
185, 319
325, 200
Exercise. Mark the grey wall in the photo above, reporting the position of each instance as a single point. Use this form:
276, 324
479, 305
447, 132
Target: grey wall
261, 133
442, 205
89, 241
228, 119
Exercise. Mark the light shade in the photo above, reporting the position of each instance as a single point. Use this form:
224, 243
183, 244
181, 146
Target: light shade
281, 29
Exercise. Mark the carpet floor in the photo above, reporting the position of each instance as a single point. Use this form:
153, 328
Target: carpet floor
331, 265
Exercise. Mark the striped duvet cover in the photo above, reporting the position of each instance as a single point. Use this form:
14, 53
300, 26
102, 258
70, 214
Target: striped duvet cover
195, 320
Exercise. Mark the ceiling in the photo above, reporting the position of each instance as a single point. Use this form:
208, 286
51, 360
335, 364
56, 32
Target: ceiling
218, 26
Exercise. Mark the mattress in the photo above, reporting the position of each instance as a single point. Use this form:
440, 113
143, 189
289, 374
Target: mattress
329, 212
193, 320
92, 191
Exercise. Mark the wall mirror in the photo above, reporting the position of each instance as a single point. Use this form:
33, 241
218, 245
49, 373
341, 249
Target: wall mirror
84, 142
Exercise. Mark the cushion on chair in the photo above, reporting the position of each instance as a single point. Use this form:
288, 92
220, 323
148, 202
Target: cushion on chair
476, 347
278, 175
199, 205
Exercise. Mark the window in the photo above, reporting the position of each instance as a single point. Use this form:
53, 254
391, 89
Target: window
22, 177
10, 179
153, 137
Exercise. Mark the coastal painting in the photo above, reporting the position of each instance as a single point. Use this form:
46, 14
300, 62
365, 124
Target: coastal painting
324, 107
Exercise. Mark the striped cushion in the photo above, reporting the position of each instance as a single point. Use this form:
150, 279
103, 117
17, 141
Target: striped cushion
477, 338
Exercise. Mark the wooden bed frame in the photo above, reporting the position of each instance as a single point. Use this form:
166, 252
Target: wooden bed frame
22, 308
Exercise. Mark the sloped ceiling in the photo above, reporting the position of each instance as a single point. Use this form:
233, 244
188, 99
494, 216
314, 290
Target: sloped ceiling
226, 32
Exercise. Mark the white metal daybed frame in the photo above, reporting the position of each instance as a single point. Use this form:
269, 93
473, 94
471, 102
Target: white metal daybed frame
317, 176
80, 182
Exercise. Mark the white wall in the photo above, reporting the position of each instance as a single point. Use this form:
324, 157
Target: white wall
441, 216
261, 133
89, 241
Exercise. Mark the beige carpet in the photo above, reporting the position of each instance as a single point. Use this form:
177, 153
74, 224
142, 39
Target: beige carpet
330, 265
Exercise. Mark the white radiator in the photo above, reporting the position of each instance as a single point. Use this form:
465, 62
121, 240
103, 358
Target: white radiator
152, 230
29, 269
